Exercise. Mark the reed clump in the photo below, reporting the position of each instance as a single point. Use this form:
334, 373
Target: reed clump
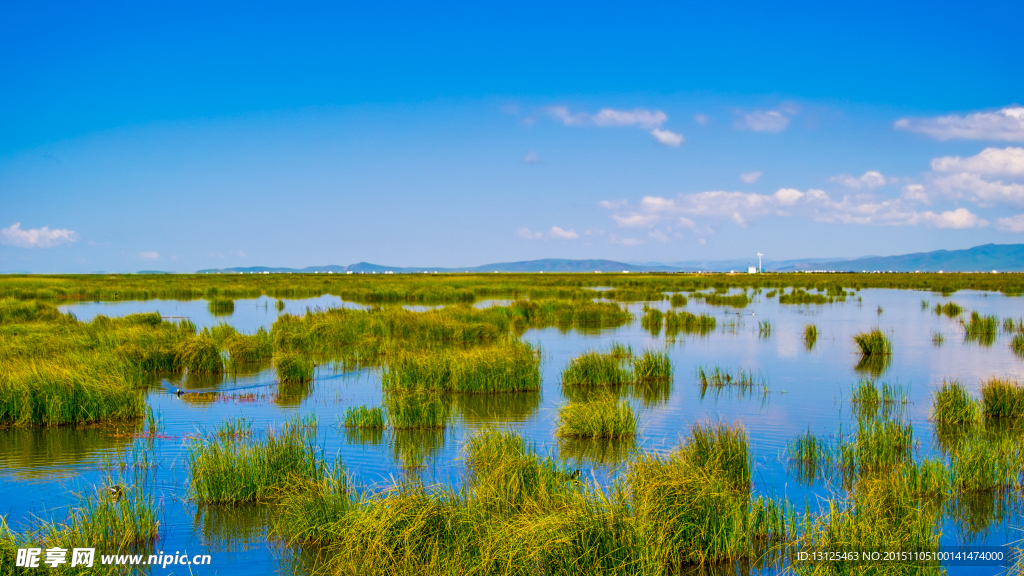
221, 306
734, 300
952, 404
949, 309
651, 367
232, 469
363, 417
294, 368
604, 417
980, 329
511, 367
677, 300
717, 378
683, 321
652, 320
417, 410
810, 335
199, 354
594, 368
1002, 398
873, 343
869, 400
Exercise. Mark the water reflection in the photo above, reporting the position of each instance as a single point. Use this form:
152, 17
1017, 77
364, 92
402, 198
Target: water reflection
508, 407
232, 528
414, 448
606, 452
874, 365
56, 452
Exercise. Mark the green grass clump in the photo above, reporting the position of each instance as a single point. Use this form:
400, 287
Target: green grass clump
1002, 398
718, 377
980, 464
807, 455
810, 335
693, 506
599, 369
294, 368
949, 309
980, 329
221, 306
652, 320
801, 296
228, 469
952, 404
511, 367
677, 300
505, 473
199, 354
1017, 345
650, 367
735, 300
868, 400
683, 321
417, 411
607, 417
764, 328
243, 349
878, 445
873, 343
363, 417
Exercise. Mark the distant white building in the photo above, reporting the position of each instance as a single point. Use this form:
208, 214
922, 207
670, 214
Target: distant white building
751, 269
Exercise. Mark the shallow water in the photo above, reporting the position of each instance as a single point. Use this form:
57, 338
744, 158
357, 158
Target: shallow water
40, 469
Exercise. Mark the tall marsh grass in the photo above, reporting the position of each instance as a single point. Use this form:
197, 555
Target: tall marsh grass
1002, 398
605, 417
512, 367
873, 343
363, 417
980, 329
952, 404
294, 368
226, 469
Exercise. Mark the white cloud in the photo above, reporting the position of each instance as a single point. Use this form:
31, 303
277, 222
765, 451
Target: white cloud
1011, 224
150, 255
916, 193
750, 177
1006, 124
626, 241
667, 137
990, 161
639, 117
974, 188
959, 219
869, 180
658, 235
650, 120
763, 121
741, 208
561, 234
645, 119
612, 204
636, 220
531, 158
556, 233
43, 237
701, 119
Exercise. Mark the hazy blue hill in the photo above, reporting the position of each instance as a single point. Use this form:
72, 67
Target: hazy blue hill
1001, 257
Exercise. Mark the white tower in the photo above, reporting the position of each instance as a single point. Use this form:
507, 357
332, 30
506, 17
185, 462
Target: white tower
759, 268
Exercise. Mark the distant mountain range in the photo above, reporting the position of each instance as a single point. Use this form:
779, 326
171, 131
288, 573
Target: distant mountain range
1001, 257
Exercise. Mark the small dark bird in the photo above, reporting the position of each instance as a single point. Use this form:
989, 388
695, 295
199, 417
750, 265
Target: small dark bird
178, 392
115, 492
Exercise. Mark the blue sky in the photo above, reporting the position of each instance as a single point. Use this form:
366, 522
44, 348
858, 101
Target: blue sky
206, 135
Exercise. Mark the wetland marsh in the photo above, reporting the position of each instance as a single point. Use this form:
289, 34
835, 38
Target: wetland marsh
540, 424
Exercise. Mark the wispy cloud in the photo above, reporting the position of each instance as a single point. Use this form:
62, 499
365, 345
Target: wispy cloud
766, 120
150, 255
702, 119
43, 237
1011, 224
869, 180
990, 161
750, 177
741, 208
650, 120
555, 233
1006, 124
531, 158
667, 137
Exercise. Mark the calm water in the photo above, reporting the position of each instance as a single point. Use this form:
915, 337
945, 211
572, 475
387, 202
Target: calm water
41, 469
